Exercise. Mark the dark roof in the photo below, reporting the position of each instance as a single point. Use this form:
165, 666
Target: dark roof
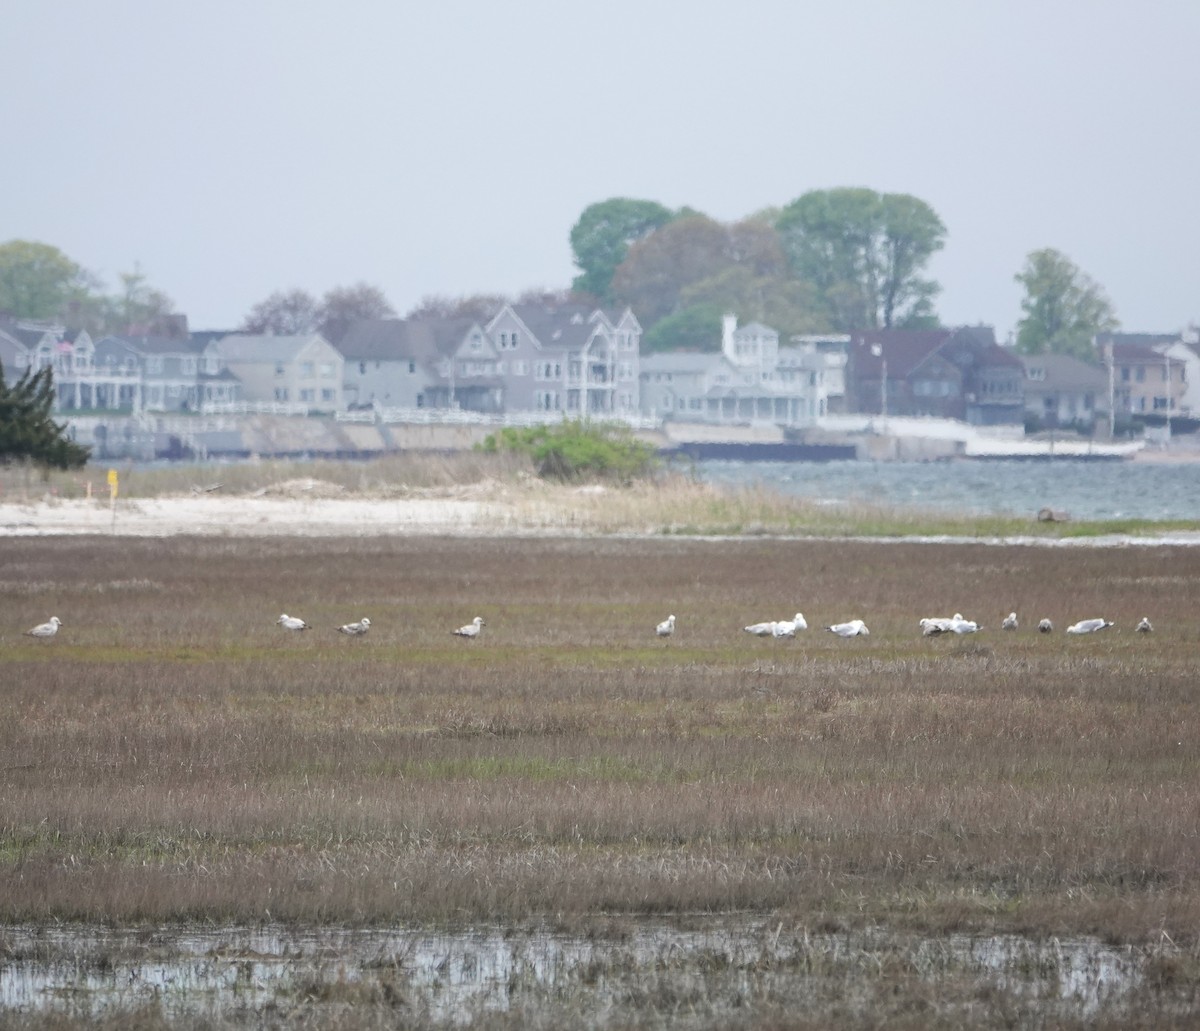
905, 349
1061, 372
1147, 340
156, 345
1135, 353
566, 325
420, 340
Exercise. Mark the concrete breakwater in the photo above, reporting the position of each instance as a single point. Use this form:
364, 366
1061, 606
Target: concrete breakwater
190, 437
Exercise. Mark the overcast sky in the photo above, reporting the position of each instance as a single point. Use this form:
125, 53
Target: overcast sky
232, 148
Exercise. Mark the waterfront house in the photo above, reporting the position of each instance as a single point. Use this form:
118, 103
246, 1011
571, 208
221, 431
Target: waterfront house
946, 373
567, 358
407, 363
1062, 391
752, 379
303, 370
1145, 382
148, 373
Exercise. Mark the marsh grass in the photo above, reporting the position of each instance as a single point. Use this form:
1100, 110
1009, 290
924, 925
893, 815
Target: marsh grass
173, 755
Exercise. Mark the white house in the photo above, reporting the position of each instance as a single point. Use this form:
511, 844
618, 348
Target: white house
751, 380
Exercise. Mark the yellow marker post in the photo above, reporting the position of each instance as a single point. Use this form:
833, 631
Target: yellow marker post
112, 496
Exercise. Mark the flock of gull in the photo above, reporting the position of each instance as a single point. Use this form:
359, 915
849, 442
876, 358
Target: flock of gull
931, 626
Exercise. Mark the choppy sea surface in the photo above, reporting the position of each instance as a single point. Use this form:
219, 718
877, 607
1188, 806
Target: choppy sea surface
1084, 490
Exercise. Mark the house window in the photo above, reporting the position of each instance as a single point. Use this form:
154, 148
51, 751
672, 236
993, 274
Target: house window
476, 343
1141, 374
520, 368
326, 370
308, 394
326, 394
362, 368
154, 364
279, 368
188, 366
281, 393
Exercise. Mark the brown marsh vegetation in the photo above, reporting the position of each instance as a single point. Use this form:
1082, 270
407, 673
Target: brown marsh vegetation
173, 756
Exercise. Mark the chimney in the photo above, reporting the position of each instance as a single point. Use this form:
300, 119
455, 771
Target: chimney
728, 326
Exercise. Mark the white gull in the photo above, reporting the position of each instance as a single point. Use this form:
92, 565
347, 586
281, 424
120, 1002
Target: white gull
471, 629
761, 629
1088, 626
788, 627
666, 628
1144, 626
45, 629
355, 629
292, 623
1009, 622
854, 628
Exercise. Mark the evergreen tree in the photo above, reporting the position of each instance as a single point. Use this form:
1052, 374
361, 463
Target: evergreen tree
27, 431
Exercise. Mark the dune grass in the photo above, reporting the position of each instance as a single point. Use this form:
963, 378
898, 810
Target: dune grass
669, 504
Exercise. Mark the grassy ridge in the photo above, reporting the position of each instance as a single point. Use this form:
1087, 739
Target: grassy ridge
175, 755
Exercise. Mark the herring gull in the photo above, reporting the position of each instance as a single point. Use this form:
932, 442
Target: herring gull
45, 629
471, 629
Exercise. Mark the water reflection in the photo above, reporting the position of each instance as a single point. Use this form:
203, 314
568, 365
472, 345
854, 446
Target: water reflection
452, 978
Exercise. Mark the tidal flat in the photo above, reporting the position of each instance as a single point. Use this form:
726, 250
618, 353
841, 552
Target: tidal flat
177, 765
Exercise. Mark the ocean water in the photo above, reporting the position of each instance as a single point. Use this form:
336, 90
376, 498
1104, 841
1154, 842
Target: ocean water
1085, 490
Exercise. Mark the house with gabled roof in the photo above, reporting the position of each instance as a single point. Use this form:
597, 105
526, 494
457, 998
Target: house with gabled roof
1063, 391
150, 373
407, 363
752, 379
1145, 381
945, 373
301, 370
567, 358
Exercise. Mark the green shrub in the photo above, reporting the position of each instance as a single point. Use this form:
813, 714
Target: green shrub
578, 450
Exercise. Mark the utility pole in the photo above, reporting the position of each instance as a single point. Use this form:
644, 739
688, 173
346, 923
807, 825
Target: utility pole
1112, 392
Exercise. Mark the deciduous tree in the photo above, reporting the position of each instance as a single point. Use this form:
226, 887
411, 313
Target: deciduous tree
1063, 307
603, 235
284, 313
864, 252
36, 280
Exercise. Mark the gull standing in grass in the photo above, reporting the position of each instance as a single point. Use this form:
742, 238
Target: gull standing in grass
292, 623
666, 628
854, 628
1045, 627
471, 630
1009, 622
1144, 626
45, 629
788, 627
1089, 626
355, 629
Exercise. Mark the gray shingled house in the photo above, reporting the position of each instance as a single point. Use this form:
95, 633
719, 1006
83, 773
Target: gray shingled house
302, 370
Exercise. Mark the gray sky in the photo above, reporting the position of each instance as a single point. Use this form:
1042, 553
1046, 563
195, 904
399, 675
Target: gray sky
237, 147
